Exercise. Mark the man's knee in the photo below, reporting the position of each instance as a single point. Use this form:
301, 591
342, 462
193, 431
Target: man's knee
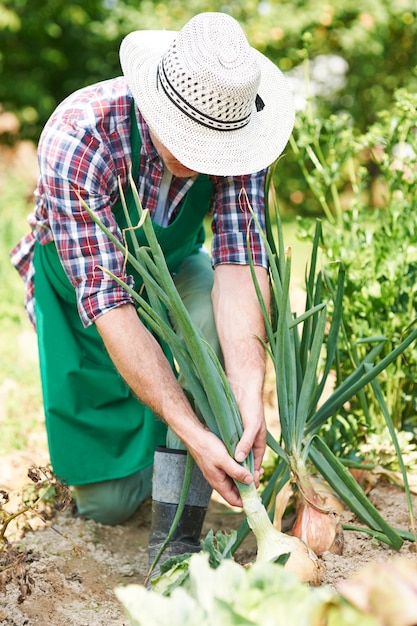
113, 502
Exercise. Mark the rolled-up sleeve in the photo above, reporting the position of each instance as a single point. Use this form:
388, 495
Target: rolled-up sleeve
233, 224
74, 163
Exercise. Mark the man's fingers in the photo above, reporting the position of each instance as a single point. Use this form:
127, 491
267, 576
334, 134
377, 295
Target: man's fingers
230, 493
224, 481
226, 486
238, 472
244, 447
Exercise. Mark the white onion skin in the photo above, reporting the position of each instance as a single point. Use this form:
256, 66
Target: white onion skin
302, 562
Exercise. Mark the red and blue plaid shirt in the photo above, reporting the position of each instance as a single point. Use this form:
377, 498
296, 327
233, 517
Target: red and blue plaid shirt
85, 147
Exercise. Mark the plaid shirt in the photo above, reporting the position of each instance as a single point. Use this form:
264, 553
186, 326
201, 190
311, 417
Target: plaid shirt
85, 147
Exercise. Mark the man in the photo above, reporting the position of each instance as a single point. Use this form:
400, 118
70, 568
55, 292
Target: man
197, 117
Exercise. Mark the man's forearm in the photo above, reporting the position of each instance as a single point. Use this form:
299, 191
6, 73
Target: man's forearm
240, 322
143, 365
141, 362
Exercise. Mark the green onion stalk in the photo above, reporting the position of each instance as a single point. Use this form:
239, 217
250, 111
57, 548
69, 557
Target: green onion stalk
296, 368
302, 362
206, 381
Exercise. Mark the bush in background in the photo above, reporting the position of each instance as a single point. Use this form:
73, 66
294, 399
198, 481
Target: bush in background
348, 175
49, 49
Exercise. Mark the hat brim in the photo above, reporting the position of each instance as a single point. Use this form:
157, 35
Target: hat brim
205, 150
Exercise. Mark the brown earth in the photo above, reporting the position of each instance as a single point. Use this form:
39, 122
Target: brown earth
72, 565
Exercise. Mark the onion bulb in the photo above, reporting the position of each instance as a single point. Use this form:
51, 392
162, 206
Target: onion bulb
302, 562
317, 523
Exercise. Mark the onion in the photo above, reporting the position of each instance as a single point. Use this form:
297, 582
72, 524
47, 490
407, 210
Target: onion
323, 489
319, 528
302, 562
317, 523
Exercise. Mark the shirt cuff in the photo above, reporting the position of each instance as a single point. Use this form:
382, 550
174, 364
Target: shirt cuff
231, 248
92, 306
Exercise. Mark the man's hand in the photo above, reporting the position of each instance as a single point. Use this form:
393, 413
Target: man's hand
254, 434
218, 467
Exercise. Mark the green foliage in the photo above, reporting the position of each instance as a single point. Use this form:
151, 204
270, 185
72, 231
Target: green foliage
377, 246
174, 572
303, 361
218, 546
49, 49
363, 33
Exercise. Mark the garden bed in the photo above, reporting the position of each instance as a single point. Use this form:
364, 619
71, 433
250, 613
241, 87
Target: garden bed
72, 566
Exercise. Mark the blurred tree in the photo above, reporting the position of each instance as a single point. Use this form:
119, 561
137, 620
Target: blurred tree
375, 37
48, 49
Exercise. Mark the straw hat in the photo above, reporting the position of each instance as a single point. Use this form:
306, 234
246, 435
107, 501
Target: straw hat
218, 105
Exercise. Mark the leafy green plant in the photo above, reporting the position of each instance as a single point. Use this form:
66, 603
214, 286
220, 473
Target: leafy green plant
378, 449
230, 595
205, 378
377, 248
302, 364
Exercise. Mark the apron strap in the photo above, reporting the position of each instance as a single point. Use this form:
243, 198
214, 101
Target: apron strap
135, 138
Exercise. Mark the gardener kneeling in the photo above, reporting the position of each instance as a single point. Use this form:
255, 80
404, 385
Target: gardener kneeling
197, 117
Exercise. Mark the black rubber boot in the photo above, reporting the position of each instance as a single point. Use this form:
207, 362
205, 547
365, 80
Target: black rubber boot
168, 477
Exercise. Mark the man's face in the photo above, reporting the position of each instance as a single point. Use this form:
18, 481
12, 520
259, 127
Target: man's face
175, 167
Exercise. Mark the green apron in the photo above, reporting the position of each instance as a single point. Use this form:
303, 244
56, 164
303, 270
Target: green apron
97, 430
